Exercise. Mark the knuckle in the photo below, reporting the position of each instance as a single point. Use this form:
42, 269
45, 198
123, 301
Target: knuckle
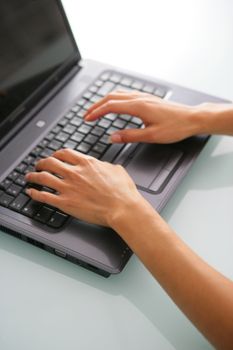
43, 175
111, 95
109, 103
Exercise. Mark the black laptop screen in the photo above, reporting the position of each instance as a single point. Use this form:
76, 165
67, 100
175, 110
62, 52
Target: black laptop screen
35, 41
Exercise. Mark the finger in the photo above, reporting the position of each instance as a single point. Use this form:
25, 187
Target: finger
45, 179
115, 95
70, 156
52, 165
131, 135
115, 106
43, 197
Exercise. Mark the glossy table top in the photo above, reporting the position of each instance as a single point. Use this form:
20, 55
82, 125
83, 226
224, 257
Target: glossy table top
49, 303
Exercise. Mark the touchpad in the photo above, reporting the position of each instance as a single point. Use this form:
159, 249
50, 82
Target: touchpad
151, 162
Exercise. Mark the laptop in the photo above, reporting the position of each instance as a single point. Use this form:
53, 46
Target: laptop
45, 89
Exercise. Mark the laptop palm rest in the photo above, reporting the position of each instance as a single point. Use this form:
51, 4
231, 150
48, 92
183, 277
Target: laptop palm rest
151, 166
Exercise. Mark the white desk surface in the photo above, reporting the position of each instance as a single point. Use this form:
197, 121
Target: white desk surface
49, 303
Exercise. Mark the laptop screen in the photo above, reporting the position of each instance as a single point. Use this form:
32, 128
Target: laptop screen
35, 41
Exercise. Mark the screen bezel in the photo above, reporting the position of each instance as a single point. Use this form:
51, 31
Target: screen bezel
22, 109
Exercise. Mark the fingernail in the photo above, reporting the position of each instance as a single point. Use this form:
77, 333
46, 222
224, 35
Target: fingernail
28, 191
87, 117
115, 138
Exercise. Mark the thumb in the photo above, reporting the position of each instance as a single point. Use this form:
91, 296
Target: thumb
130, 135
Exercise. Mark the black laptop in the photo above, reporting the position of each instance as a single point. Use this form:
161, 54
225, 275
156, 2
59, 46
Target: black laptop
45, 89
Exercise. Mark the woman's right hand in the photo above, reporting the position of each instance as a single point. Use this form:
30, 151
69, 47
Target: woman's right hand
164, 121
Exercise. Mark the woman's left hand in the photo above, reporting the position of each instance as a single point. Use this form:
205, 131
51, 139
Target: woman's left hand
87, 188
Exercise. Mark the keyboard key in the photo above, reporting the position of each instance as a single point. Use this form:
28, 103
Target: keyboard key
99, 83
5, 199
50, 136
104, 123
81, 102
98, 131
44, 214
131, 126
84, 129
94, 154
63, 122
86, 107
31, 208
21, 181
111, 130
148, 88
93, 89
69, 129
36, 151
115, 78
95, 98
82, 111
47, 152
127, 81
106, 88
5, 184
55, 145
119, 123
136, 121
105, 76
126, 117
43, 143
70, 144
29, 169
19, 202
47, 189
57, 220
75, 109
111, 116
56, 129
124, 88
100, 148
91, 139
77, 137
137, 85
87, 95
13, 175
160, 92
62, 136
105, 139
29, 159
21, 167
84, 147
14, 190
69, 115
76, 121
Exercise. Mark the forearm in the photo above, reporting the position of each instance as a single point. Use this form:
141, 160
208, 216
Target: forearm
203, 294
213, 119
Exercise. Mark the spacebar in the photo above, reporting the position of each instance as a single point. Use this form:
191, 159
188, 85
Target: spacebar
112, 152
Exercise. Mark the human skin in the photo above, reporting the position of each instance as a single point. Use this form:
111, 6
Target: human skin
87, 189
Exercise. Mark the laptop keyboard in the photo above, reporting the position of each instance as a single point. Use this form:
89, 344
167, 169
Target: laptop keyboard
73, 132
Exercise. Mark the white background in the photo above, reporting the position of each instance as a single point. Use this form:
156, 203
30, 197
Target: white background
186, 42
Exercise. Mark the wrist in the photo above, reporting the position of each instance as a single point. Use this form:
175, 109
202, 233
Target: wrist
199, 119
123, 209
133, 215
207, 118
